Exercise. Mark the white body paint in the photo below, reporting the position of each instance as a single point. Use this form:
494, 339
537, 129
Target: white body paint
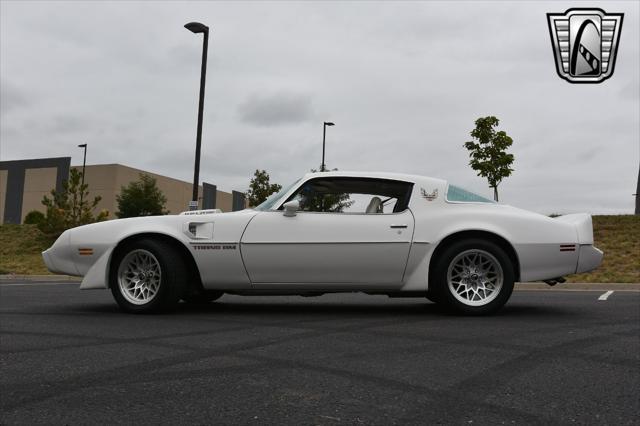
255, 250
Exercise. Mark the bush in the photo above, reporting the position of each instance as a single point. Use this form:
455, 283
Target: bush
34, 217
141, 198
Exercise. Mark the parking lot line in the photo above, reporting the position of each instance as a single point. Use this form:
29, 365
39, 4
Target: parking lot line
604, 296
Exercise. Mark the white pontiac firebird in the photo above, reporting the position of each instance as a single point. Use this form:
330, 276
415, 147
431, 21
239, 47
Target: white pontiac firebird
377, 233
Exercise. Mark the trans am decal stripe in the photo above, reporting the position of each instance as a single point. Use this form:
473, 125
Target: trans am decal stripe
213, 246
324, 242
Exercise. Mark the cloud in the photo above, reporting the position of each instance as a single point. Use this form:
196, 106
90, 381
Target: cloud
64, 124
280, 108
403, 81
11, 97
630, 91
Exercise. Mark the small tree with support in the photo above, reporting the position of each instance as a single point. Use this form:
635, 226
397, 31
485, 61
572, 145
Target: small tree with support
70, 207
488, 152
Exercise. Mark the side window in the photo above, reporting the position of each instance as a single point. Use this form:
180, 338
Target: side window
457, 194
353, 195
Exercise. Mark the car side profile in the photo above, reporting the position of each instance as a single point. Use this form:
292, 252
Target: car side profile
377, 233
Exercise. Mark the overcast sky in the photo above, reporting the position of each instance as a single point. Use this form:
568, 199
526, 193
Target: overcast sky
404, 83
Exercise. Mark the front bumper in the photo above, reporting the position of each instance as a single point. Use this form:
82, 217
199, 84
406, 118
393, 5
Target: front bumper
48, 261
589, 258
58, 264
59, 257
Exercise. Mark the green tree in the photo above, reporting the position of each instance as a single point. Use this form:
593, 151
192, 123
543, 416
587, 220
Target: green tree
70, 207
326, 202
141, 198
488, 152
260, 188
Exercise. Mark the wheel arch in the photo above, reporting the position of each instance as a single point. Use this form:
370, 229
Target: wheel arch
194, 280
500, 241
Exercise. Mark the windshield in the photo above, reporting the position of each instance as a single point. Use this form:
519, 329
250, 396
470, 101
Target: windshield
269, 202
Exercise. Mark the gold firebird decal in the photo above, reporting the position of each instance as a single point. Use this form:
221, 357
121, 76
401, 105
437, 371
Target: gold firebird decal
427, 196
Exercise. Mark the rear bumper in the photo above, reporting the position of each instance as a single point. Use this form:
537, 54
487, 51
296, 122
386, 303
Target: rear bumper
589, 258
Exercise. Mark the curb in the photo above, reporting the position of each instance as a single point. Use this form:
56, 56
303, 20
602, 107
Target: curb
579, 286
518, 286
50, 278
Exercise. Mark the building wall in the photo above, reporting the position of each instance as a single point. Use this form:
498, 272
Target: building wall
101, 181
108, 179
224, 201
25, 182
104, 180
3, 192
37, 184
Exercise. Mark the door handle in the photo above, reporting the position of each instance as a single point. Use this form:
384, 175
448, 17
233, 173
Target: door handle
404, 225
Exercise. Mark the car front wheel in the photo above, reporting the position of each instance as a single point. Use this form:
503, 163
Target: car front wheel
474, 277
147, 276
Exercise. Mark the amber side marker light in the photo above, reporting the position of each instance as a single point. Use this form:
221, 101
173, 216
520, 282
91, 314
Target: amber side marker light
85, 251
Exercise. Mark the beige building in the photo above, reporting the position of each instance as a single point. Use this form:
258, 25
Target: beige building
23, 184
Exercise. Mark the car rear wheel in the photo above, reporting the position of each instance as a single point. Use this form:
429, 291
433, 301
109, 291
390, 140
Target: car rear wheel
147, 276
474, 277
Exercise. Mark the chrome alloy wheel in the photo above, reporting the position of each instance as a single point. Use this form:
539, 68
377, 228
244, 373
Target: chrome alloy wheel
475, 277
139, 277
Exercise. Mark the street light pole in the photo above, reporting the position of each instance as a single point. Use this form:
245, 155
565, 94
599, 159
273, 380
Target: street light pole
84, 163
196, 27
324, 135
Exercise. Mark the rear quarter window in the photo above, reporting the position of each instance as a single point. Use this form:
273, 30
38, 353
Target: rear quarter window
460, 195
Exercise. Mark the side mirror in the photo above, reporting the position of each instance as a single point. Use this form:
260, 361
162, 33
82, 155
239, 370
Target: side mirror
291, 207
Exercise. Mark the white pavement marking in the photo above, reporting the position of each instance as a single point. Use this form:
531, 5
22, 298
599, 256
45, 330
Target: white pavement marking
605, 295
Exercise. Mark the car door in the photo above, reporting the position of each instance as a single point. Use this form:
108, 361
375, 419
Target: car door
337, 248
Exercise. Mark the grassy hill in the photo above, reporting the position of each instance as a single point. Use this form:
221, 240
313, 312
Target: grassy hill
617, 236
20, 248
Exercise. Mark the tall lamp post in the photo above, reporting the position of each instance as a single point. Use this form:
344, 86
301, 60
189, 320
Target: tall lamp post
196, 28
84, 163
324, 136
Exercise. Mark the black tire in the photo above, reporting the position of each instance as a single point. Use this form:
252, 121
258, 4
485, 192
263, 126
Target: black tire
202, 297
170, 286
432, 296
462, 301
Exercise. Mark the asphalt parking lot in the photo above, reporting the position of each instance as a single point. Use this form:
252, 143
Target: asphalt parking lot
70, 357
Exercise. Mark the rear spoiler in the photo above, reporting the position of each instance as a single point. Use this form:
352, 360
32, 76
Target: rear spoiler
583, 224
